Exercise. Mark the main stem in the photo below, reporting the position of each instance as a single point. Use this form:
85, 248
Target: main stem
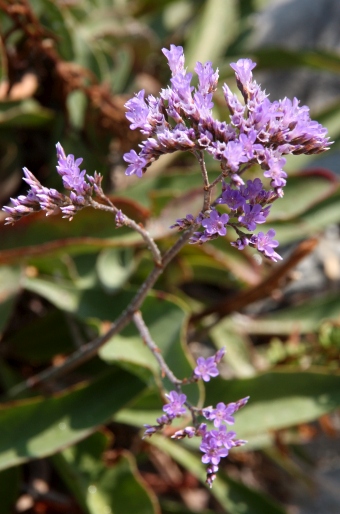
90, 349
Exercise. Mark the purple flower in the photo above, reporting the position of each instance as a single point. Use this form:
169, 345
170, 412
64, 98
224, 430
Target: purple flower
138, 111
68, 169
240, 243
232, 198
186, 432
175, 58
149, 430
212, 449
252, 215
266, 244
175, 406
215, 223
206, 368
204, 105
219, 355
234, 105
252, 189
243, 68
223, 437
222, 413
276, 172
137, 163
207, 77
234, 154
181, 84
248, 143
120, 219
241, 403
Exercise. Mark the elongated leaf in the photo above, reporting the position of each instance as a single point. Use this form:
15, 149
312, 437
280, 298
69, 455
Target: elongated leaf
9, 489
100, 488
10, 284
277, 399
315, 219
27, 113
302, 318
214, 30
165, 320
114, 268
91, 230
163, 315
40, 427
238, 354
303, 191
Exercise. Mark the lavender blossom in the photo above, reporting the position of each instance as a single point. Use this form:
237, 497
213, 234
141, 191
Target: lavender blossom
137, 163
222, 414
266, 244
175, 406
206, 368
252, 215
219, 355
73, 178
175, 58
216, 223
120, 219
260, 132
41, 198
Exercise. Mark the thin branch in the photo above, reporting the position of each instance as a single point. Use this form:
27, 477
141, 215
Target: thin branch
217, 180
207, 191
156, 254
146, 336
90, 349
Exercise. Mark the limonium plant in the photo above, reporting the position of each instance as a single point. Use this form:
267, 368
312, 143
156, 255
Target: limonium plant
258, 132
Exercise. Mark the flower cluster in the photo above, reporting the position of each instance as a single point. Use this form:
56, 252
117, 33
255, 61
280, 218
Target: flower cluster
215, 443
260, 132
80, 185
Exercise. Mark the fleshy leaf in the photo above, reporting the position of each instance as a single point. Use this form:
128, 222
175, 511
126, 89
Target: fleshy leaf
43, 426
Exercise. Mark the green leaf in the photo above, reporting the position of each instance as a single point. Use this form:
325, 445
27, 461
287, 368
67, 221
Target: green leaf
38, 236
302, 318
9, 489
76, 105
165, 319
238, 355
315, 219
163, 314
27, 113
114, 267
102, 489
234, 497
43, 426
215, 29
303, 191
323, 60
51, 16
30, 342
10, 285
278, 399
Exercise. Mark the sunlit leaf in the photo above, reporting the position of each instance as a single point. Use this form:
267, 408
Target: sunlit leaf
114, 267
214, 30
278, 399
42, 426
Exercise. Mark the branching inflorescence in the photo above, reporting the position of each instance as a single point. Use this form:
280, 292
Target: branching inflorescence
259, 133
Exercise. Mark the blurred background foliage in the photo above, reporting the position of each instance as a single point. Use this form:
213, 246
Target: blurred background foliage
74, 444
